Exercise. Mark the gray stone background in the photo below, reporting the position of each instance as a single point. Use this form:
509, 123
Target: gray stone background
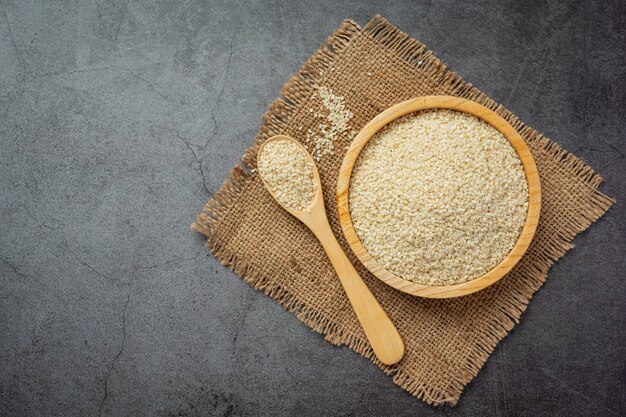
118, 119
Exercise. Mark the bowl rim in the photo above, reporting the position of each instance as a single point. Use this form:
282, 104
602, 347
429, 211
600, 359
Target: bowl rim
429, 103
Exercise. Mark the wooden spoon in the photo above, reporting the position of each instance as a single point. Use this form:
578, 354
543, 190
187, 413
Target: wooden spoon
380, 331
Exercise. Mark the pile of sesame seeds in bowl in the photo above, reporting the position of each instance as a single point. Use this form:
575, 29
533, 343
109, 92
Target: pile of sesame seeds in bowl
438, 197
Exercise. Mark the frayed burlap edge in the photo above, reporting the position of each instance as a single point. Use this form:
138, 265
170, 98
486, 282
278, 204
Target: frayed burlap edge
416, 55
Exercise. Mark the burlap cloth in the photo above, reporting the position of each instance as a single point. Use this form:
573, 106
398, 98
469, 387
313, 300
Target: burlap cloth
447, 341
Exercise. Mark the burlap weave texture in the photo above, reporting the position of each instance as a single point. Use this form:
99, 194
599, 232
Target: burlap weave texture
447, 341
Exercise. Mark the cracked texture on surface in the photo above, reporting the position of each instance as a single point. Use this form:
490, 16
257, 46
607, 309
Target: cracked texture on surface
117, 120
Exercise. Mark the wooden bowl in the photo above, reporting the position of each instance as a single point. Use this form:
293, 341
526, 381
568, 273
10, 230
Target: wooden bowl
429, 103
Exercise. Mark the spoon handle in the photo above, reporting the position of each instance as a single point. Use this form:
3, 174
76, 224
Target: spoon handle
380, 331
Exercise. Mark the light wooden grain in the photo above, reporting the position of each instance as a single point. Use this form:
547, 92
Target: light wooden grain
380, 331
450, 103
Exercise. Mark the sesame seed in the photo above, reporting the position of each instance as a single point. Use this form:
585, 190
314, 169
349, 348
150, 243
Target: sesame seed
288, 173
438, 197
336, 123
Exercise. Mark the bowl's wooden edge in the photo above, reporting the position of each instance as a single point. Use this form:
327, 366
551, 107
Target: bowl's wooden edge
451, 103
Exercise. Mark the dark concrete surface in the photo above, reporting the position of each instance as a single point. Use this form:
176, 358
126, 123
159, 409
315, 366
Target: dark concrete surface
119, 119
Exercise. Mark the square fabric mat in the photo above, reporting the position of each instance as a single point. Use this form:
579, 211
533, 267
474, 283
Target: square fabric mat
447, 341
